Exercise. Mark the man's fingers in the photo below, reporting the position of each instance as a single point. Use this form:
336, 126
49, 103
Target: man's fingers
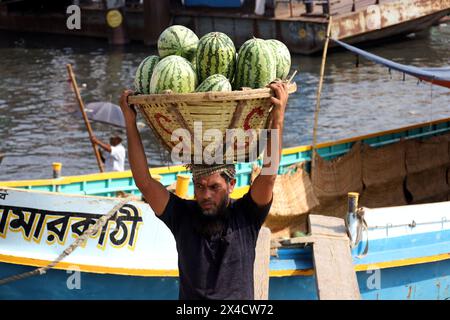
126, 94
275, 101
276, 89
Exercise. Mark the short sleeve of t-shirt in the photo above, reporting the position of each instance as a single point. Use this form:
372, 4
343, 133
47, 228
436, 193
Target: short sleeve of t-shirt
178, 209
255, 213
174, 212
116, 153
115, 160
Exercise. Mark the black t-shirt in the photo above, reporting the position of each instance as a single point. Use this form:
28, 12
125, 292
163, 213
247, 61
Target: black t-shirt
218, 266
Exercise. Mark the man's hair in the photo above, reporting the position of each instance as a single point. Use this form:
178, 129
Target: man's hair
117, 134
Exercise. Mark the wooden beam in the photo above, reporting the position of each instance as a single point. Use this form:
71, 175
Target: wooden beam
261, 265
157, 17
334, 271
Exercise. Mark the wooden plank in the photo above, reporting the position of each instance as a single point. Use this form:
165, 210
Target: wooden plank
334, 271
261, 265
289, 8
363, 4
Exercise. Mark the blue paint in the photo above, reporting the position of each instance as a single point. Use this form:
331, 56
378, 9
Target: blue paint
381, 250
53, 285
416, 282
422, 281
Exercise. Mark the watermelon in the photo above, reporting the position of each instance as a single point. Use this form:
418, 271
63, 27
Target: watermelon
173, 73
283, 57
177, 40
194, 64
144, 74
216, 82
216, 54
256, 65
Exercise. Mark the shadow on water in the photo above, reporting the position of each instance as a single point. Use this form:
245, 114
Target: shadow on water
38, 110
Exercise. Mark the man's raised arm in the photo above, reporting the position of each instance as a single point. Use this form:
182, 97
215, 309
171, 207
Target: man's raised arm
262, 187
154, 192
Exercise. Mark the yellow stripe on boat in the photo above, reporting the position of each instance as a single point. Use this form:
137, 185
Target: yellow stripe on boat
174, 273
182, 169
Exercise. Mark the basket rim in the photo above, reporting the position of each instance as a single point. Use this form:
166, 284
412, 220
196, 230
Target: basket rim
245, 94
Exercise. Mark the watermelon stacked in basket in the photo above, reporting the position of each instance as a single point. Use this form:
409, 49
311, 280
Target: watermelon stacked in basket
204, 83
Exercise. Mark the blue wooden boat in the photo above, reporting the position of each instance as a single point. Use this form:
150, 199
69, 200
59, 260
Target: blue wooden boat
109, 183
408, 254
408, 257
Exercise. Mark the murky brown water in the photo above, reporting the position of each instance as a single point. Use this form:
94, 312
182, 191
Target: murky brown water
38, 111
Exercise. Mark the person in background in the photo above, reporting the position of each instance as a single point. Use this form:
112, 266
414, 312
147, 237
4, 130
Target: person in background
116, 153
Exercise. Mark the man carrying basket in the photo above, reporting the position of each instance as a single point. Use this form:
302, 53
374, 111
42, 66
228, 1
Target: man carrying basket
215, 235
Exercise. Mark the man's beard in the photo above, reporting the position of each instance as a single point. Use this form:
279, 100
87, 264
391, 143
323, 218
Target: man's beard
211, 222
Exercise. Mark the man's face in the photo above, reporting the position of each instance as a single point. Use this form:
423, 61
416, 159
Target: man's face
114, 141
212, 193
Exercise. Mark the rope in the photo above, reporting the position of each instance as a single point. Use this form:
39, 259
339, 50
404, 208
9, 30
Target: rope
362, 227
319, 92
90, 231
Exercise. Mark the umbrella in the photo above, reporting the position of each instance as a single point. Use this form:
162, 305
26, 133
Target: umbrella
105, 112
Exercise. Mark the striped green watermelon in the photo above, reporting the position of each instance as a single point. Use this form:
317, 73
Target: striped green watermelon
177, 40
216, 54
173, 73
283, 57
256, 65
144, 74
216, 82
194, 64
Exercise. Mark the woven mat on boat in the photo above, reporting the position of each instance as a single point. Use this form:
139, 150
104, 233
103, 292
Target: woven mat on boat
428, 184
383, 174
388, 194
332, 207
337, 177
292, 193
427, 154
293, 198
427, 163
382, 165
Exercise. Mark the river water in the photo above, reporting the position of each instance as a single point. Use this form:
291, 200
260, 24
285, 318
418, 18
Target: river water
40, 124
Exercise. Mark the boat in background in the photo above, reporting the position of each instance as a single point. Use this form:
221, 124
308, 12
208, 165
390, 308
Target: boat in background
108, 184
301, 25
134, 256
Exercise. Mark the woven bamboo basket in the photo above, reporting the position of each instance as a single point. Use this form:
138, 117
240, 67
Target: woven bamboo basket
243, 109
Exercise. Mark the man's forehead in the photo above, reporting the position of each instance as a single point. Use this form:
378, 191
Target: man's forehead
212, 178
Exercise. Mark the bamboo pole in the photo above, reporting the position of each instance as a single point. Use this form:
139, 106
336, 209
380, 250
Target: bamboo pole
83, 112
319, 91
